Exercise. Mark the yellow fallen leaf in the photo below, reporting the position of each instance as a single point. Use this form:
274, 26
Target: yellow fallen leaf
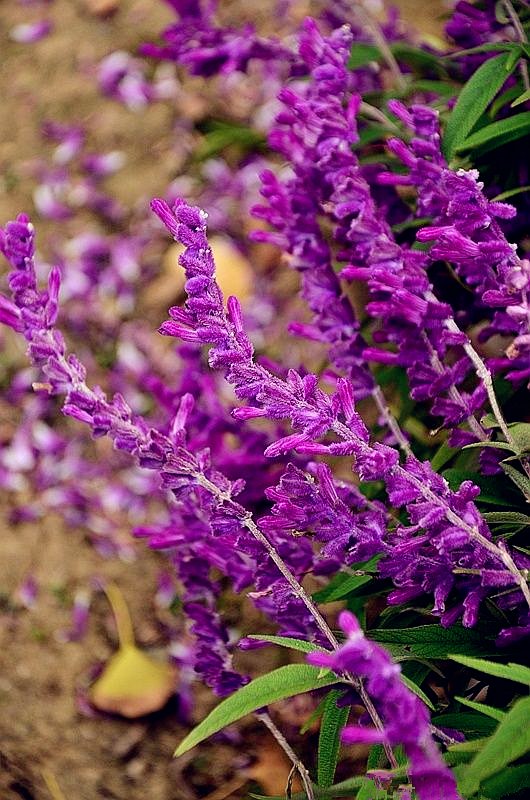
232, 270
133, 684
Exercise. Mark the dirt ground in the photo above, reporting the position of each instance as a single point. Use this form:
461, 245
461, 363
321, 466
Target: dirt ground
43, 736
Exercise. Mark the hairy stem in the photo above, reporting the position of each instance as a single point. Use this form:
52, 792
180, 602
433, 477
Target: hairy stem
368, 22
291, 755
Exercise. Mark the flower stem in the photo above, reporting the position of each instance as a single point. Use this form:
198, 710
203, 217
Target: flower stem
287, 749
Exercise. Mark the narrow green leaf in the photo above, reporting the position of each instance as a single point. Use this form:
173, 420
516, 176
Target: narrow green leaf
433, 641
361, 54
333, 721
521, 99
520, 480
346, 587
505, 98
312, 718
370, 791
420, 60
520, 432
492, 491
474, 98
474, 725
472, 746
510, 781
442, 456
415, 689
510, 741
283, 682
443, 88
498, 445
506, 518
513, 58
512, 672
489, 421
494, 713
509, 193
496, 134
286, 641
481, 48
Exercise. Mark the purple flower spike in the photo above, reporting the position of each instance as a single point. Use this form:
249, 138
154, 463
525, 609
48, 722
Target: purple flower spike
405, 718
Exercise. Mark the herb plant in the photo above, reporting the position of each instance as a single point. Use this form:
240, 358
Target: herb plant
394, 478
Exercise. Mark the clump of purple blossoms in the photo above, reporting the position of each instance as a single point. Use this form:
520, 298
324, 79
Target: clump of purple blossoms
258, 506
405, 719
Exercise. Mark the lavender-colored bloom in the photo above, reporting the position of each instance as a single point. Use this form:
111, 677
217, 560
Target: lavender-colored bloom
472, 25
205, 48
351, 528
80, 616
456, 531
466, 231
122, 77
69, 139
31, 32
28, 591
315, 132
405, 718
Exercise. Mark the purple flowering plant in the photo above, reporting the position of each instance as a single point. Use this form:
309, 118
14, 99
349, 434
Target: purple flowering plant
395, 477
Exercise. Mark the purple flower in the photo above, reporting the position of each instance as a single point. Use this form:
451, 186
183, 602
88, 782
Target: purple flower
204, 48
405, 719
31, 32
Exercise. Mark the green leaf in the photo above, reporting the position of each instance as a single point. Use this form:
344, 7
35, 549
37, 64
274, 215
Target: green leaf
333, 721
512, 672
362, 54
492, 490
415, 689
520, 480
509, 193
489, 421
521, 99
345, 587
494, 713
433, 641
510, 741
506, 518
283, 682
498, 445
369, 791
513, 58
481, 48
418, 59
496, 134
286, 641
507, 782
503, 99
442, 456
464, 750
442, 88
473, 725
372, 132
474, 98
520, 432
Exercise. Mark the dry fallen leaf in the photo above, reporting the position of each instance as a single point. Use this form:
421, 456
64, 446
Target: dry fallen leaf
233, 271
272, 769
133, 684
